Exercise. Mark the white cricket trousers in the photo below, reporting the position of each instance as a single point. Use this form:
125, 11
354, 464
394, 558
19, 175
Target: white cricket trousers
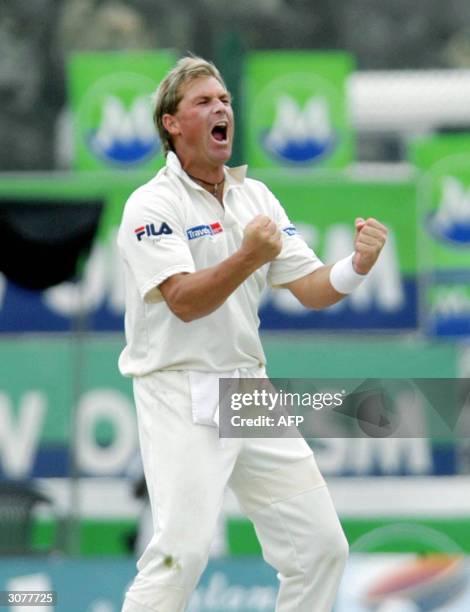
276, 481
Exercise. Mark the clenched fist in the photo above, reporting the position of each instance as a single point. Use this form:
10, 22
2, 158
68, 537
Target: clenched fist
368, 242
262, 240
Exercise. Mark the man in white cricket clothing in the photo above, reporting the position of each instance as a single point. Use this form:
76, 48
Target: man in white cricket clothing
199, 243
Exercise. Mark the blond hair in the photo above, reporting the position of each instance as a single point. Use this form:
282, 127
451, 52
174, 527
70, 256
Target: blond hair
169, 93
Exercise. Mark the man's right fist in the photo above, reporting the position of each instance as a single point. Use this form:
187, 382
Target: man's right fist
262, 240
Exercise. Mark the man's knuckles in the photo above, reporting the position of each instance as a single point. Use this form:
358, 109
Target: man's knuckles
373, 224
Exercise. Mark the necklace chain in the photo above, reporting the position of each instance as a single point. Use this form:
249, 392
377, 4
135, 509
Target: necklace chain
214, 185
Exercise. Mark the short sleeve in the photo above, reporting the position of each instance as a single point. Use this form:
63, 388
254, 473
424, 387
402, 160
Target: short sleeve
296, 258
152, 241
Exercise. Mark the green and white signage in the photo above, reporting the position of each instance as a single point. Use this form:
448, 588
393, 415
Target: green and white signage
295, 109
445, 229
323, 209
110, 96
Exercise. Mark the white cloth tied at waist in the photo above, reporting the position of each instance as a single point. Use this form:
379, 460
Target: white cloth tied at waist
205, 392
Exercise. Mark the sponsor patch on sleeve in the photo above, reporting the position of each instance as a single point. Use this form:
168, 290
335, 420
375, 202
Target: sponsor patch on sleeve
290, 230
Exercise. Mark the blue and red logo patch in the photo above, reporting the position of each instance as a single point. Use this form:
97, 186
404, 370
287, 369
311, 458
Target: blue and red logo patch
204, 230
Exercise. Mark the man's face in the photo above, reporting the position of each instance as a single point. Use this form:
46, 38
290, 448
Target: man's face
202, 127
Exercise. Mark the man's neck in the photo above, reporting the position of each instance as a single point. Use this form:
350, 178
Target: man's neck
215, 188
207, 174
210, 173
209, 177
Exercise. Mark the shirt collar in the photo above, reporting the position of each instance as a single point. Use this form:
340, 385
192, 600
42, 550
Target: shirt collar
233, 176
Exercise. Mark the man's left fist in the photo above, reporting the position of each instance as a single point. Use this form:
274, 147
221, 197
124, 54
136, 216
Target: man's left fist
368, 242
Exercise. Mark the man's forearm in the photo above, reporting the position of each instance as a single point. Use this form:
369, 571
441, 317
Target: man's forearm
329, 284
315, 290
195, 295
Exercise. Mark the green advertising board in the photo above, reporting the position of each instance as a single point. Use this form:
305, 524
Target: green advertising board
66, 391
371, 581
324, 209
322, 206
445, 231
110, 98
295, 110
62, 394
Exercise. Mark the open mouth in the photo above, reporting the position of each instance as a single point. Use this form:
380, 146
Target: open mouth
219, 132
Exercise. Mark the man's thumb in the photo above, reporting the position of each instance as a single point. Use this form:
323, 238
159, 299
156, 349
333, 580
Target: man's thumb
359, 222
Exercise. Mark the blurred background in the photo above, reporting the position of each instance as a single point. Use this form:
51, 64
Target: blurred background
343, 109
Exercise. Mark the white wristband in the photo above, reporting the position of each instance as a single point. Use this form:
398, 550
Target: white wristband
343, 276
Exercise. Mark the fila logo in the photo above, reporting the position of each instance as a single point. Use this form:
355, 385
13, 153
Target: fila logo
149, 230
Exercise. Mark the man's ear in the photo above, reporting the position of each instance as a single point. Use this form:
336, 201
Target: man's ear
171, 124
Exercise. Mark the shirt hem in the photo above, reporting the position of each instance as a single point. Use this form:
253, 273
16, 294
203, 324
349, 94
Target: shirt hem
134, 373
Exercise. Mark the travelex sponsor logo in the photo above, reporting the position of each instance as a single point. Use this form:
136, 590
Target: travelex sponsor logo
451, 221
204, 230
300, 136
290, 230
150, 230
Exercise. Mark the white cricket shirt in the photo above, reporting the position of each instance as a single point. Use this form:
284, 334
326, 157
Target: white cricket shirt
171, 225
